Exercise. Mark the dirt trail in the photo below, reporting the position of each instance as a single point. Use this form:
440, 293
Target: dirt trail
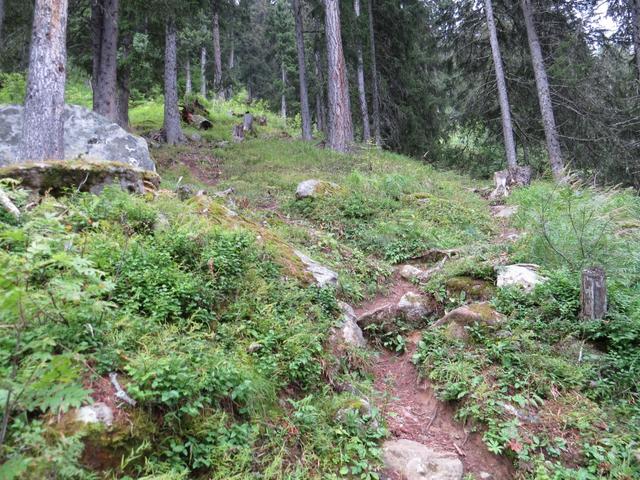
413, 412
410, 406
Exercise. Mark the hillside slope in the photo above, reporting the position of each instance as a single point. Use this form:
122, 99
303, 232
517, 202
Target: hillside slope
207, 317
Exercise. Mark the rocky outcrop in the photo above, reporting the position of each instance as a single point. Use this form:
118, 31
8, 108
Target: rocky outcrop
413, 307
522, 275
413, 461
87, 135
314, 188
457, 321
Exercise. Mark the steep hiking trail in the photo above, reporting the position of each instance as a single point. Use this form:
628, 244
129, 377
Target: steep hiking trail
413, 412
410, 406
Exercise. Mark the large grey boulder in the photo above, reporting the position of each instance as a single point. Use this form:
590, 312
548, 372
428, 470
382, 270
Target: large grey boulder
414, 461
413, 307
87, 135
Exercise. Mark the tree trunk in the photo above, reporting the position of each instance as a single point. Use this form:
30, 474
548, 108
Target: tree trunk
43, 121
283, 99
505, 110
362, 93
124, 75
203, 72
321, 117
1, 22
232, 57
544, 95
635, 19
172, 129
188, 86
217, 55
296, 6
374, 80
340, 127
593, 294
105, 62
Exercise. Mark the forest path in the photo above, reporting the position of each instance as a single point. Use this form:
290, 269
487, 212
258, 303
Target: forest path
409, 404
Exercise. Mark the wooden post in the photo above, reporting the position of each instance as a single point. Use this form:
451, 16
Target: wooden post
593, 294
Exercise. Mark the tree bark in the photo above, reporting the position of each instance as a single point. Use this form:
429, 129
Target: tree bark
544, 95
172, 129
1, 22
635, 19
43, 121
375, 80
503, 97
283, 99
296, 6
188, 88
362, 93
217, 55
340, 127
124, 76
105, 62
320, 105
203, 72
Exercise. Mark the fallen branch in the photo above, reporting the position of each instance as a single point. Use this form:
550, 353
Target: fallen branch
120, 393
6, 202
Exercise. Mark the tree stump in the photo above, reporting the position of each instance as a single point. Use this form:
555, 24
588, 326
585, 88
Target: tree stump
238, 133
593, 294
248, 122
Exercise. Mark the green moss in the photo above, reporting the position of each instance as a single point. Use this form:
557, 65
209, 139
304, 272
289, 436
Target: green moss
474, 289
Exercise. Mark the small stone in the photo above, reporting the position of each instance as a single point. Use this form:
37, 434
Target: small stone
413, 274
485, 476
254, 347
195, 137
314, 188
504, 211
521, 275
97, 413
348, 332
322, 275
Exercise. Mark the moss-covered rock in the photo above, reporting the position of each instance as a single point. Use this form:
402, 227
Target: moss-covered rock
474, 288
457, 321
56, 177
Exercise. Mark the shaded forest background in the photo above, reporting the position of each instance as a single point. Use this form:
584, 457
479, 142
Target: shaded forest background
438, 96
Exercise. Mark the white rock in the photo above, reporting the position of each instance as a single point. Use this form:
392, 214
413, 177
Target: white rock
322, 275
504, 211
97, 413
311, 188
414, 461
522, 275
